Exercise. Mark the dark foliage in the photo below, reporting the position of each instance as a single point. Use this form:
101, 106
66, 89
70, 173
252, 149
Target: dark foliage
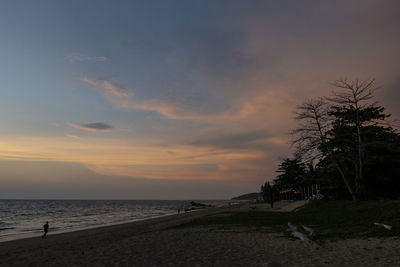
357, 154
331, 220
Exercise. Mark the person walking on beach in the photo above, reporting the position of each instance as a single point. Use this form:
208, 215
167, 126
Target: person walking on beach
45, 229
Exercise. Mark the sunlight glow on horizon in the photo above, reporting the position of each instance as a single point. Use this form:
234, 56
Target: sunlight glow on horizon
116, 157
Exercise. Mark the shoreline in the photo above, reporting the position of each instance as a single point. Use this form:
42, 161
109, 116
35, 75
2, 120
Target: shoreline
178, 218
167, 218
65, 231
31, 251
242, 205
155, 242
54, 230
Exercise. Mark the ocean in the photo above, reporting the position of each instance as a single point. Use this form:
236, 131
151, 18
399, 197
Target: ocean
25, 218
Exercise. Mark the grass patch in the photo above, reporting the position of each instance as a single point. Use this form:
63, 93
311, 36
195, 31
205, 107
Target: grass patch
331, 220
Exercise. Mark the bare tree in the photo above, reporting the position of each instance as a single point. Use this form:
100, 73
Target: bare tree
311, 137
355, 96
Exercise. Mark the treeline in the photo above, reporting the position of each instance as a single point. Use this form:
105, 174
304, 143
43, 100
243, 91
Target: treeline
345, 144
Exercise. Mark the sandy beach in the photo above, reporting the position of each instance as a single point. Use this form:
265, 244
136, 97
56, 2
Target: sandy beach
154, 243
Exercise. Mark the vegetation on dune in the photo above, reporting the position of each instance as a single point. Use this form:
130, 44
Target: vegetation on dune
331, 220
345, 144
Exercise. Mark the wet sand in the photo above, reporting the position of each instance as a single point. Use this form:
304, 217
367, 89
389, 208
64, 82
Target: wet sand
153, 243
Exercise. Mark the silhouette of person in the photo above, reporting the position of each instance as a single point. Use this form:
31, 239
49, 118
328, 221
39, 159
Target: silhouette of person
45, 229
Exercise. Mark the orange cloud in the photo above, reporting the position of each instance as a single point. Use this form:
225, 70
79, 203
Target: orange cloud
72, 136
127, 158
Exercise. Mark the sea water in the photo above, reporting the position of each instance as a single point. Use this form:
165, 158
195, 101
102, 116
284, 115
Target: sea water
25, 218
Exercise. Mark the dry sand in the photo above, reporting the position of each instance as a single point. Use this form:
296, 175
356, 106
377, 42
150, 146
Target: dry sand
152, 243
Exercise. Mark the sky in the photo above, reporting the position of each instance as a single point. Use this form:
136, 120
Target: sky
174, 99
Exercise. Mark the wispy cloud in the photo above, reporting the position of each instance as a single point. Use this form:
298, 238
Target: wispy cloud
72, 136
92, 127
78, 57
124, 97
233, 141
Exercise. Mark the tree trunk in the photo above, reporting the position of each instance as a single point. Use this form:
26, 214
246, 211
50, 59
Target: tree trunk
332, 158
343, 176
360, 163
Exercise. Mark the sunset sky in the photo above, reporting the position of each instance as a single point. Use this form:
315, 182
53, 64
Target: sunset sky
173, 99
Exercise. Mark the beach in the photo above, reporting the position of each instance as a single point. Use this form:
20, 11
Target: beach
159, 242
